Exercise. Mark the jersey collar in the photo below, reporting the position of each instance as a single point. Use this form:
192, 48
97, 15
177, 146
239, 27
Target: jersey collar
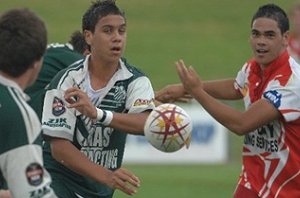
273, 66
10, 83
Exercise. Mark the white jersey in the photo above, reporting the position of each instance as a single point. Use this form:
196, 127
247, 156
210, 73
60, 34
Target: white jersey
128, 91
21, 162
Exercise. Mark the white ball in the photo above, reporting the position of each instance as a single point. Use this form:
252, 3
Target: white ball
168, 128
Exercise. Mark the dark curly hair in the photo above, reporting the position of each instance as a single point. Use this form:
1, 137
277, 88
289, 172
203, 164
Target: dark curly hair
23, 40
98, 10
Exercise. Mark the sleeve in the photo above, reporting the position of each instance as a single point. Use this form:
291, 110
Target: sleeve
241, 79
24, 173
285, 98
57, 119
140, 95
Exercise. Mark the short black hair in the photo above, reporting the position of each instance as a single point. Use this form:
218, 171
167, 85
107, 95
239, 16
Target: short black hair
23, 40
274, 12
78, 42
98, 10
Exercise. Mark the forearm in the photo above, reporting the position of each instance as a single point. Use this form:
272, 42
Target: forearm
67, 154
226, 115
132, 123
222, 89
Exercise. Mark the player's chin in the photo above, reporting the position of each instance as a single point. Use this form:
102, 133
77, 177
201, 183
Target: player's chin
116, 53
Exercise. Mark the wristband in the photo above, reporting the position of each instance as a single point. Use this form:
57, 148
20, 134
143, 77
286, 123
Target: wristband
104, 117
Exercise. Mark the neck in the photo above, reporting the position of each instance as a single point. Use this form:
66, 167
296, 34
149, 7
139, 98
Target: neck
21, 81
101, 72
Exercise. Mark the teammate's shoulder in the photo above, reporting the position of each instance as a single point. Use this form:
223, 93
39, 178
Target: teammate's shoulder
67, 73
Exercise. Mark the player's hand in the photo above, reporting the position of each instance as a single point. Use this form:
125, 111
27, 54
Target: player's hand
188, 77
5, 194
80, 101
173, 93
125, 181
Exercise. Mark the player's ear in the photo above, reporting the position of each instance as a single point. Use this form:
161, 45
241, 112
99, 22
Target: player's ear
286, 37
38, 63
88, 35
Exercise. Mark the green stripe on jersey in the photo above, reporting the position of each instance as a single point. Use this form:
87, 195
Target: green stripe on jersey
14, 117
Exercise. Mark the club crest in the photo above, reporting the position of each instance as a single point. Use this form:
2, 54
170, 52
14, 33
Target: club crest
58, 107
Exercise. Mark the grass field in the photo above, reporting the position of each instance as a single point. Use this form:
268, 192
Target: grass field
210, 35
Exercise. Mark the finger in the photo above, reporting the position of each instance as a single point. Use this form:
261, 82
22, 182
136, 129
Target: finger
71, 89
184, 100
192, 71
188, 96
73, 95
125, 187
131, 178
179, 70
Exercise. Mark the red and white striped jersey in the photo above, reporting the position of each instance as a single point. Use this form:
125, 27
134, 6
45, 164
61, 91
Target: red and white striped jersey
271, 157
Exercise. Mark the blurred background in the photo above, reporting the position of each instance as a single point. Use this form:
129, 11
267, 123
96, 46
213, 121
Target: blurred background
210, 35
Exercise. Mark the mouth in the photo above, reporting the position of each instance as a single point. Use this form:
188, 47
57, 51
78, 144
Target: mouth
116, 49
261, 51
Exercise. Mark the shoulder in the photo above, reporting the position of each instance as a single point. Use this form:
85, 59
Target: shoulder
133, 69
68, 74
63, 53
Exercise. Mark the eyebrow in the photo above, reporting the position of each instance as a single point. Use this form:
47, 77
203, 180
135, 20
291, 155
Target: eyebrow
268, 31
109, 25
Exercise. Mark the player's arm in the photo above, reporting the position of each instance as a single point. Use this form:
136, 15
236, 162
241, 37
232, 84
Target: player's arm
25, 174
260, 113
172, 93
130, 122
67, 154
139, 103
222, 89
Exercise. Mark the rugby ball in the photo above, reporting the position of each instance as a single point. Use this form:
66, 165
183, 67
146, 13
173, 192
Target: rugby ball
168, 128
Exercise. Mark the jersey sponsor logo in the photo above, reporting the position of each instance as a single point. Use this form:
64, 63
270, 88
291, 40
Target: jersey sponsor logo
274, 97
38, 193
34, 174
94, 148
264, 139
58, 122
141, 102
58, 107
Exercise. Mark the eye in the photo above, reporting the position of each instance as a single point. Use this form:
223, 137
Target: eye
254, 34
107, 30
270, 35
122, 30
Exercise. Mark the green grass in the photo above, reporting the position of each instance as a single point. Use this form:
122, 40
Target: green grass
170, 181
211, 35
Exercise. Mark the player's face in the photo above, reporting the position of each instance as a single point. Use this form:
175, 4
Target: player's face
109, 38
267, 41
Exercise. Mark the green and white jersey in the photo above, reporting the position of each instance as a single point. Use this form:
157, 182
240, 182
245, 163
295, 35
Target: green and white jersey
21, 162
128, 91
57, 57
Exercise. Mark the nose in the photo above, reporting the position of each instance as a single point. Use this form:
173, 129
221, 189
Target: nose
117, 36
261, 40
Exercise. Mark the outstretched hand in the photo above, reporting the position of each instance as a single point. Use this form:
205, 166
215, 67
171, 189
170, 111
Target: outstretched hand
189, 77
124, 180
80, 101
173, 93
